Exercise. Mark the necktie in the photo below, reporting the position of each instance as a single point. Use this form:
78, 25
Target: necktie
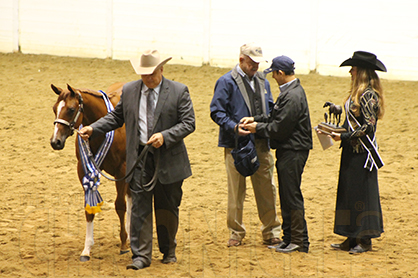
150, 111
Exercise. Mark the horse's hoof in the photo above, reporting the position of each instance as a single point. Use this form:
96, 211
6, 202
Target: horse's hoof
84, 258
123, 252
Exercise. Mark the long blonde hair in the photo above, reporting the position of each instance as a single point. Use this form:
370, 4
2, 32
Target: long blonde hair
363, 79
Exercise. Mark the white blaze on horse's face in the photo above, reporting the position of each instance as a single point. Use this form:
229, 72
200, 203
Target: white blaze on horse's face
61, 105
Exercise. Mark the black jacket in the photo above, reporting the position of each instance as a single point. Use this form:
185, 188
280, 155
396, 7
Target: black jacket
288, 126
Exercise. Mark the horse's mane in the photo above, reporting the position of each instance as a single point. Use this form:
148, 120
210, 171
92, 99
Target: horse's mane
111, 95
91, 92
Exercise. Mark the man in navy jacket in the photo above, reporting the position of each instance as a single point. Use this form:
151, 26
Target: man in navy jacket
245, 92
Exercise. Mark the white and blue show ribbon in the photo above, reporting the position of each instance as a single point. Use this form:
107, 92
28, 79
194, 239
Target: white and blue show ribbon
91, 180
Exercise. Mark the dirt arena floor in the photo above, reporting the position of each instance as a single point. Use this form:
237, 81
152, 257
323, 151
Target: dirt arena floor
42, 225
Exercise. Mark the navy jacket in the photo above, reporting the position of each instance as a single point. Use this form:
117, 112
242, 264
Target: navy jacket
230, 103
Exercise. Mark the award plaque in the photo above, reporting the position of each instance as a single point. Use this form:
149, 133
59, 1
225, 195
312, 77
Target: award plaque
332, 119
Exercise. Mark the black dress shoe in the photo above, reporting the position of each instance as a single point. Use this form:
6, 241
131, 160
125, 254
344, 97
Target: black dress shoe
281, 245
137, 265
344, 246
169, 259
360, 248
291, 247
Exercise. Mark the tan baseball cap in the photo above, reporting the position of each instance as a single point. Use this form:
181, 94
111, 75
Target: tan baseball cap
253, 51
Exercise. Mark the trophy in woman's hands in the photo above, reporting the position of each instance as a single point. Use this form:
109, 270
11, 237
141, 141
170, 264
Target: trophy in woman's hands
332, 119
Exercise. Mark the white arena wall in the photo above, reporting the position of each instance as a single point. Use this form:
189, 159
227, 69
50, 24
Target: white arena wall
317, 34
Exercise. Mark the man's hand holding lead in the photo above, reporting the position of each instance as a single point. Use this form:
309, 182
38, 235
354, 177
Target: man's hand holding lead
156, 140
85, 132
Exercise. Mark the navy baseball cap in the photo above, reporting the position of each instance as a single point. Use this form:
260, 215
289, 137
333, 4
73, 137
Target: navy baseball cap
283, 63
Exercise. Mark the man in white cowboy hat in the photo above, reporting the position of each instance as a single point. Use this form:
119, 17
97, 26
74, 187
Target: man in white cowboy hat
165, 128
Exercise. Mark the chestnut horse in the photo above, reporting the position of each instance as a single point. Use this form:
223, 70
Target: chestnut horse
83, 106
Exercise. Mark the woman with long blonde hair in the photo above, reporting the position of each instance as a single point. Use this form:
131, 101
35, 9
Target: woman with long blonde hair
358, 214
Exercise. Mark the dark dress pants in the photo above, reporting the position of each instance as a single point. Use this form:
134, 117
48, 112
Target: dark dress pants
167, 198
290, 165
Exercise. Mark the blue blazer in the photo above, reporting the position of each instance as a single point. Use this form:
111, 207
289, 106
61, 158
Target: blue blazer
230, 103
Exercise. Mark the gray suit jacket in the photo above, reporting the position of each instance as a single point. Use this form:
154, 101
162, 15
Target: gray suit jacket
174, 118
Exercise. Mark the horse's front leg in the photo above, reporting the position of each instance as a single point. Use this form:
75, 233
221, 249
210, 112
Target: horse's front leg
88, 243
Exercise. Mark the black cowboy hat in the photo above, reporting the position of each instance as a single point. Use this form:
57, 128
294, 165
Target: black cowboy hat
364, 59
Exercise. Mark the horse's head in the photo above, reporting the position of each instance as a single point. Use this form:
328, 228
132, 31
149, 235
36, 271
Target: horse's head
328, 104
68, 115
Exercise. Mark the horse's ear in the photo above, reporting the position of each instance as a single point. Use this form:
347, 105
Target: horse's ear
57, 90
71, 89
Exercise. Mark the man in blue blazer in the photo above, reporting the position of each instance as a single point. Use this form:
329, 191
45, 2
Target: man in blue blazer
245, 92
165, 128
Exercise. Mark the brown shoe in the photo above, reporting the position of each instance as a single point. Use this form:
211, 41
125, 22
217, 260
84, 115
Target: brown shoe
233, 242
272, 241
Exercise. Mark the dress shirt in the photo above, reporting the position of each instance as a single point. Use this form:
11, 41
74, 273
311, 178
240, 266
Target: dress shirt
284, 86
143, 127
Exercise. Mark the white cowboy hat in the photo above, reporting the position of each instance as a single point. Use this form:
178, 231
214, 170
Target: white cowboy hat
150, 61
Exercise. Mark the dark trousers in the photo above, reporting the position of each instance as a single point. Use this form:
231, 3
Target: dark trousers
167, 199
290, 165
